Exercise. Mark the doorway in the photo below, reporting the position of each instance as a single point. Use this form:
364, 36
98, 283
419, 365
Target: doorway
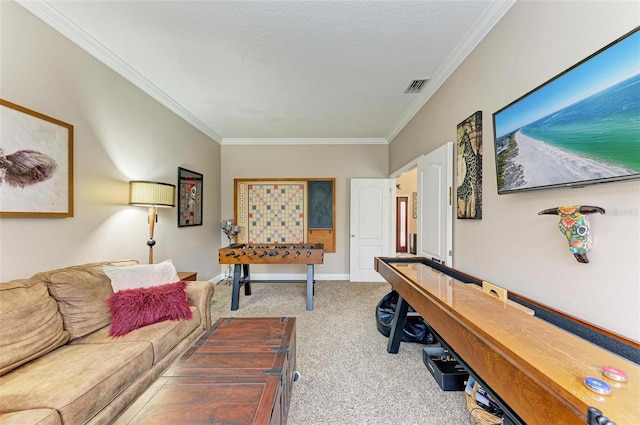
402, 223
428, 181
372, 214
407, 188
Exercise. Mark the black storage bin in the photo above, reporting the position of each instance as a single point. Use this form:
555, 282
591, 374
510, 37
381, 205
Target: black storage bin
415, 329
447, 372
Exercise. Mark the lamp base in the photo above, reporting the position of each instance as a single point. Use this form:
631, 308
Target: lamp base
151, 243
152, 221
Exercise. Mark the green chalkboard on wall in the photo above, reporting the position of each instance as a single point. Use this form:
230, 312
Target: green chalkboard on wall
320, 204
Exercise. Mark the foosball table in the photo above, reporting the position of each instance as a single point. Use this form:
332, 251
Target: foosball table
243, 255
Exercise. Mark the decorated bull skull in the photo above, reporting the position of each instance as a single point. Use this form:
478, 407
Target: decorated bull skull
574, 224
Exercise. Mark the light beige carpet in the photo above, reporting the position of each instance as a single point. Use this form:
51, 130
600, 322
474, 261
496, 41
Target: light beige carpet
347, 376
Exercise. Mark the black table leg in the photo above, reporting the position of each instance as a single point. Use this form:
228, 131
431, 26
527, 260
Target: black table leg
235, 294
247, 279
397, 326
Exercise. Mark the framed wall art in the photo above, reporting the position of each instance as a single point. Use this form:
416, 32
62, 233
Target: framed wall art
469, 163
36, 164
190, 186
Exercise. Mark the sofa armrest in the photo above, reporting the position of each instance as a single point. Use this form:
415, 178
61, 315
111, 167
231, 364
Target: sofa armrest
200, 294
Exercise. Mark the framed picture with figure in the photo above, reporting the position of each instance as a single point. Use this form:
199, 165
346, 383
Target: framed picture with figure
469, 163
190, 186
36, 164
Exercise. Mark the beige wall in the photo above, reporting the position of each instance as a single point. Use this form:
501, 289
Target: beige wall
120, 134
513, 246
340, 162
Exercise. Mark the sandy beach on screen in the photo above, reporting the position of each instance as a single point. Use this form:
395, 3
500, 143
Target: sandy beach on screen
544, 164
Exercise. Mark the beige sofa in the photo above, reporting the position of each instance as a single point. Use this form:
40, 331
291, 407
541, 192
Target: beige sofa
58, 364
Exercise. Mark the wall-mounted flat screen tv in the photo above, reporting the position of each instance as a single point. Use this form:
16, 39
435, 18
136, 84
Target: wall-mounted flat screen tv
581, 127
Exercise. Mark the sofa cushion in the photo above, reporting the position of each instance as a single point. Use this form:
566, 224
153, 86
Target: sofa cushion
82, 293
31, 417
31, 324
163, 336
76, 380
142, 275
134, 308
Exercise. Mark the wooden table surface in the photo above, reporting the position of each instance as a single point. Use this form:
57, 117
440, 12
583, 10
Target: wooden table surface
516, 353
189, 276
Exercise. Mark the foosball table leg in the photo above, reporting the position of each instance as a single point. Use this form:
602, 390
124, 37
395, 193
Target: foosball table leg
235, 294
246, 279
310, 287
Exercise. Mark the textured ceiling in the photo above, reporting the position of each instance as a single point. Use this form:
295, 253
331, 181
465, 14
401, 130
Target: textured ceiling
265, 71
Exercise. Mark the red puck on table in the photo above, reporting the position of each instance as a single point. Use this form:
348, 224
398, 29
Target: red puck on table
614, 373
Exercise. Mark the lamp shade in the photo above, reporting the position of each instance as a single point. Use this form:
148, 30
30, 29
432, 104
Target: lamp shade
155, 194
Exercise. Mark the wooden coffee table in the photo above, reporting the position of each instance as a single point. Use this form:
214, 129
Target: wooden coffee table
239, 372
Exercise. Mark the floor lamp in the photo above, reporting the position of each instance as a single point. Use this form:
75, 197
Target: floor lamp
152, 195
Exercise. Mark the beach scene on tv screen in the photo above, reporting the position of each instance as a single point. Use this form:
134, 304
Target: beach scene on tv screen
581, 127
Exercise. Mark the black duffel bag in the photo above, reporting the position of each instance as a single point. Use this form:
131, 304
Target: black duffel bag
415, 329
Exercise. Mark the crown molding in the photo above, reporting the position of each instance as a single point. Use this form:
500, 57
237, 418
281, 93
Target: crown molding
303, 141
47, 13
487, 21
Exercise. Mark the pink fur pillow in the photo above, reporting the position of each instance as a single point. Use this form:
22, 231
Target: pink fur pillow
134, 308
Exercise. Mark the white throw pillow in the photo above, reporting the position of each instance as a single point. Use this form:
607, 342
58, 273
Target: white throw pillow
141, 276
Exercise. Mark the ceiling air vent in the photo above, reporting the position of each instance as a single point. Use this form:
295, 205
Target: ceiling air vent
416, 86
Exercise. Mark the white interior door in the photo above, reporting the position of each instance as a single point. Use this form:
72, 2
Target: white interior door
435, 209
369, 227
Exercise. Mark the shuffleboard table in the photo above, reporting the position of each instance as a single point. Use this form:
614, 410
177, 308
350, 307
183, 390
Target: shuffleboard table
535, 370
243, 255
